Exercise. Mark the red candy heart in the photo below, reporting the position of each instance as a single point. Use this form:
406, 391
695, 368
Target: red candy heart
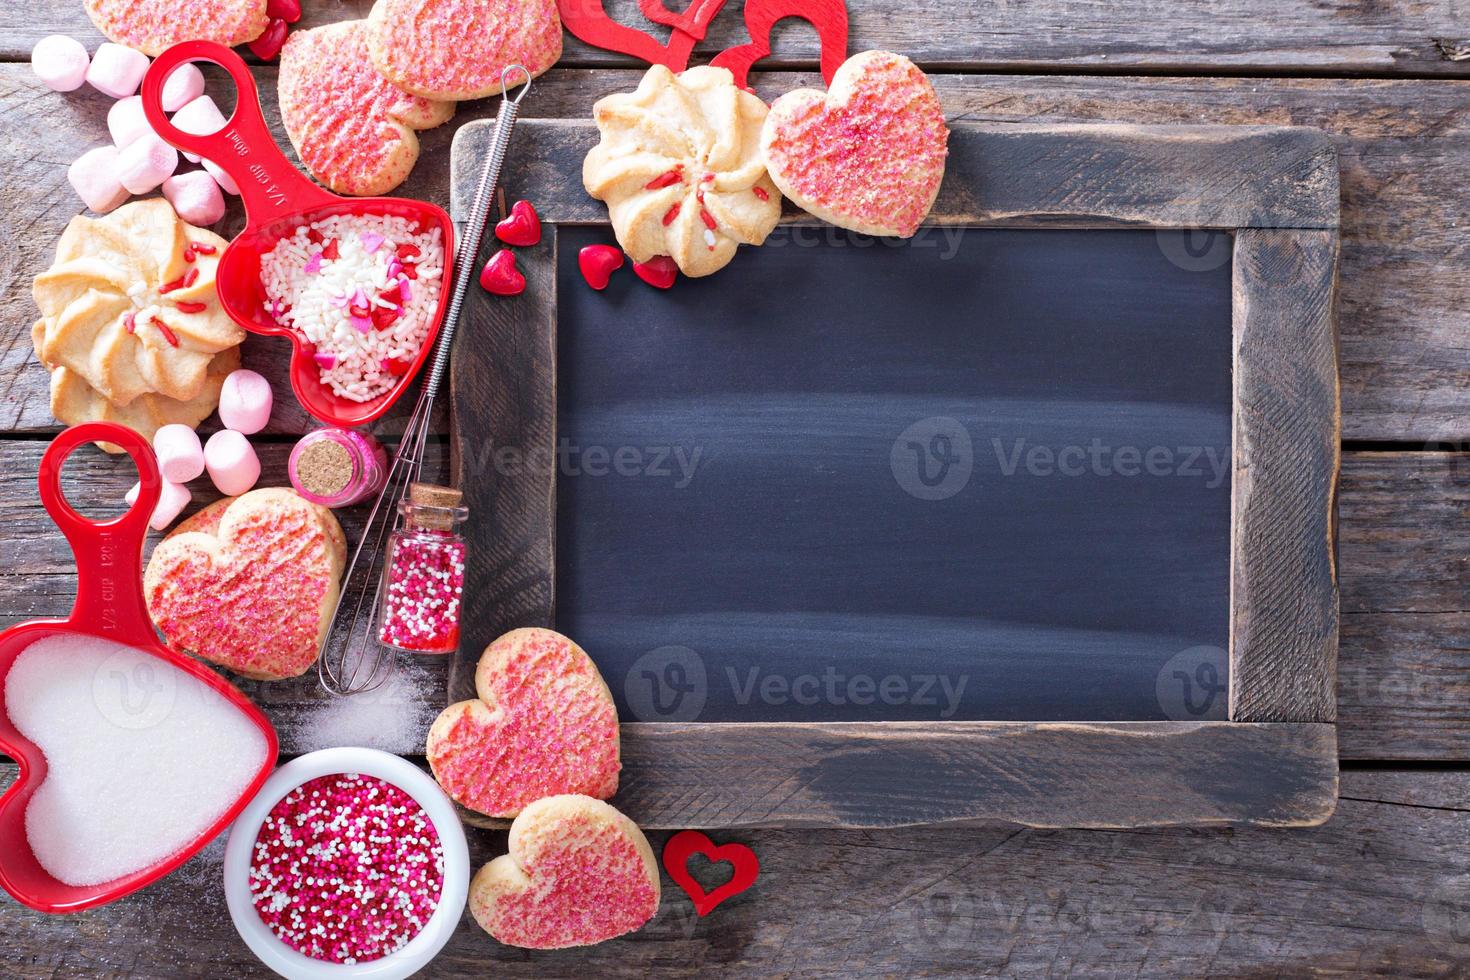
523, 227
269, 44
500, 275
598, 263
287, 10
660, 271
687, 843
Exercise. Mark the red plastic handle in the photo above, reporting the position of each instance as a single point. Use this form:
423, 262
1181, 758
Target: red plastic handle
244, 147
108, 553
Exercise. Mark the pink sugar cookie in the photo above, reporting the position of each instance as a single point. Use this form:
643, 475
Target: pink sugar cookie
868, 154
151, 26
252, 593
544, 723
351, 127
456, 49
578, 873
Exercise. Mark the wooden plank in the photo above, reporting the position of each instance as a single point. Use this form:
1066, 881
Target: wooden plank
1283, 577
1023, 175
1370, 893
1233, 36
1404, 299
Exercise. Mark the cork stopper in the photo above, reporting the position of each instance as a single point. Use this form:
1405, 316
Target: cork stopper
324, 467
433, 506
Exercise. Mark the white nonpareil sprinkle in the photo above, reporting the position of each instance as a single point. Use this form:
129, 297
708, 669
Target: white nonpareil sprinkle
141, 757
360, 357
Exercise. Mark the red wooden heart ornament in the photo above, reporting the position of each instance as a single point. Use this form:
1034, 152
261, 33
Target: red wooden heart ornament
500, 275
829, 17
523, 227
590, 23
687, 843
598, 263
660, 271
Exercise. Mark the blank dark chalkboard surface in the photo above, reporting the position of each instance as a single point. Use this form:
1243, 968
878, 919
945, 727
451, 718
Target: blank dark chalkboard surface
981, 475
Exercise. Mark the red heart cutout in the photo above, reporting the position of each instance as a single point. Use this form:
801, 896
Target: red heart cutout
500, 275
590, 23
829, 17
687, 843
523, 227
598, 263
660, 271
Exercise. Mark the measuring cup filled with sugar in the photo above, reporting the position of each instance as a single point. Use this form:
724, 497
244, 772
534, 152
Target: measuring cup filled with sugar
356, 284
132, 757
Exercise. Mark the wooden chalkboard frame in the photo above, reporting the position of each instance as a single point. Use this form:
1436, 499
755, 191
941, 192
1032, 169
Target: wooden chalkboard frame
1273, 763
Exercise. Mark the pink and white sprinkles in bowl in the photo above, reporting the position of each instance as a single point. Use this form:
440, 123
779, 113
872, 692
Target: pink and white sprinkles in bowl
362, 290
347, 869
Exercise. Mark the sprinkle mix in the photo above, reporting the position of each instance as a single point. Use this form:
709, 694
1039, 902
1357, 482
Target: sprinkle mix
145, 313
421, 601
362, 290
347, 869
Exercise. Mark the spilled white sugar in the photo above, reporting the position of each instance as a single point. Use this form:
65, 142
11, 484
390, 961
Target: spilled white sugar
141, 757
394, 717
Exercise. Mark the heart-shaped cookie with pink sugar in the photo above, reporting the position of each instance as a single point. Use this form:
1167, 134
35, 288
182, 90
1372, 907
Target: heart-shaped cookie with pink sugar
868, 154
153, 26
249, 584
578, 873
543, 724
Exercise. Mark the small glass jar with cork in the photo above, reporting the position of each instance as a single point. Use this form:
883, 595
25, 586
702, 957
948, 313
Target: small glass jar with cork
423, 573
337, 467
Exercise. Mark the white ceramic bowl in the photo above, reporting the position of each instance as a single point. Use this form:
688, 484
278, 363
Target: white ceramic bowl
369, 762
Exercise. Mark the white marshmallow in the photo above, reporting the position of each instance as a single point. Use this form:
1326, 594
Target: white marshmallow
94, 176
200, 117
126, 121
180, 456
225, 181
60, 62
232, 464
145, 163
183, 85
196, 197
245, 402
172, 499
117, 70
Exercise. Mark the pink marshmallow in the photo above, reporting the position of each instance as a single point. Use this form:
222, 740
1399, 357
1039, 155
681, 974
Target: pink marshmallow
94, 176
126, 121
116, 70
172, 500
183, 85
196, 197
225, 181
180, 456
232, 464
60, 62
245, 402
145, 163
200, 117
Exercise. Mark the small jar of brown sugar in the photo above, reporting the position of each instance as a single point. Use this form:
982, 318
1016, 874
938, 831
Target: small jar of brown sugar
337, 467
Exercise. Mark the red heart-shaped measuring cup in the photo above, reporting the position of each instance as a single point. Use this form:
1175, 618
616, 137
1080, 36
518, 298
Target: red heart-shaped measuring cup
109, 605
277, 200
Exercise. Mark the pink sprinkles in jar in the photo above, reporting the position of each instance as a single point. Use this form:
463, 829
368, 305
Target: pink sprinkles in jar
423, 574
346, 869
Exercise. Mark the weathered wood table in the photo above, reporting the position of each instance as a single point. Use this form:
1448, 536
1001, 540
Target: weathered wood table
1382, 888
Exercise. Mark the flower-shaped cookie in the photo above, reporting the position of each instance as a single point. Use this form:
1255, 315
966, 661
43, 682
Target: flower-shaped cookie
680, 168
130, 307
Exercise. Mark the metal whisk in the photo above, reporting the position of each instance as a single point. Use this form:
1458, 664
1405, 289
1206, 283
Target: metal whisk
351, 660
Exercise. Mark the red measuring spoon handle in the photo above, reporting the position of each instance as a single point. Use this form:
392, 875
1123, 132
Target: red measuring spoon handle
243, 147
108, 553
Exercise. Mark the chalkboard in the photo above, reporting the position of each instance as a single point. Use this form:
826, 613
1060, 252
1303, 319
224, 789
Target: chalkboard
1031, 518
984, 474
